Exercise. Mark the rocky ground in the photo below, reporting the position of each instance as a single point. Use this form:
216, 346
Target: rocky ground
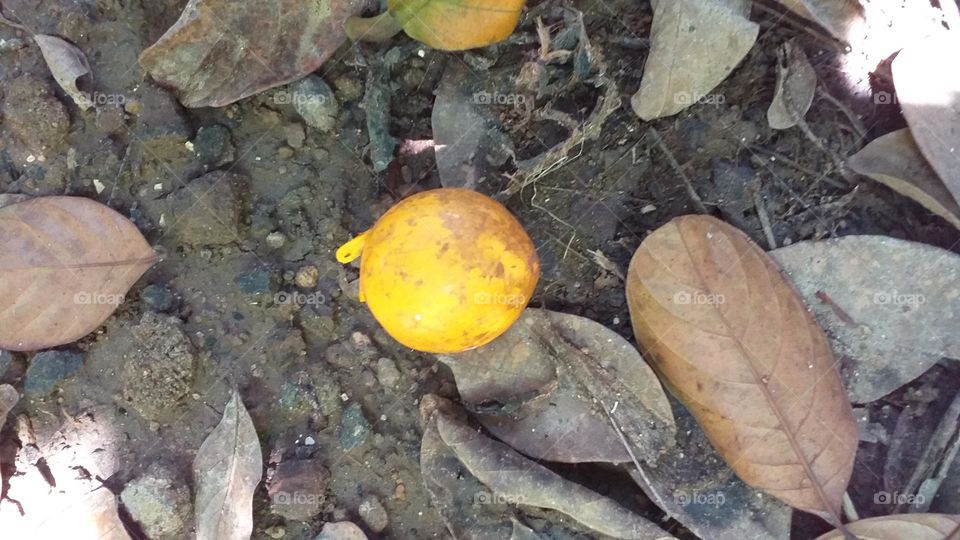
247, 204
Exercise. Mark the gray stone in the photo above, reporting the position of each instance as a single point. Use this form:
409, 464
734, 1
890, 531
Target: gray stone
341, 530
213, 146
374, 514
315, 102
204, 212
260, 280
298, 489
159, 503
159, 371
6, 360
387, 373
354, 427
49, 368
156, 298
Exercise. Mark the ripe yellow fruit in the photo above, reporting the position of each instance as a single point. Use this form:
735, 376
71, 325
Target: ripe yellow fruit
445, 270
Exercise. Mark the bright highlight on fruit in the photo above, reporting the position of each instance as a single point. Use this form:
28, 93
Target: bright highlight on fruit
446, 270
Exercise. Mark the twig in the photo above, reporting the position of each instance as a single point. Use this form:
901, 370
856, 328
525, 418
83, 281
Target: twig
935, 450
697, 201
764, 219
851, 116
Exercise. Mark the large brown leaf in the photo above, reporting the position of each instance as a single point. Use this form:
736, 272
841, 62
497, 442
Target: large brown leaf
928, 89
221, 51
226, 472
901, 527
735, 343
65, 264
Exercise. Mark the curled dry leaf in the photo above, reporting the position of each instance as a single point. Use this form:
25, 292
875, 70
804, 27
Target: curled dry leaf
899, 527
895, 161
465, 504
515, 478
226, 472
542, 387
734, 341
695, 44
69, 67
66, 263
221, 51
928, 89
889, 306
796, 84
836, 16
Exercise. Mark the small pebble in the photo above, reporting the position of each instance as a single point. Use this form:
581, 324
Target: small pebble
285, 152
307, 277
374, 514
276, 532
276, 240
387, 372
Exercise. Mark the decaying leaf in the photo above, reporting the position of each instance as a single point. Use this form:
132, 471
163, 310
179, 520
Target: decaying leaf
890, 306
467, 507
221, 51
733, 340
695, 44
900, 527
514, 478
551, 385
8, 398
65, 263
796, 84
69, 67
928, 89
836, 16
895, 161
226, 472
469, 143
694, 486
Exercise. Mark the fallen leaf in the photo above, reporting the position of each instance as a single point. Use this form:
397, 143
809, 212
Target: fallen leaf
542, 388
890, 306
456, 25
694, 486
69, 67
895, 161
66, 264
836, 16
469, 143
226, 472
900, 527
8, 399
514, 478
928, 90
796, 84
221, 51
733, 340
695, 44
466, 506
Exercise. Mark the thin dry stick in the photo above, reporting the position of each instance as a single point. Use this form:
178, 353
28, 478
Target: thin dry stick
764, 219
697, 201
842, 107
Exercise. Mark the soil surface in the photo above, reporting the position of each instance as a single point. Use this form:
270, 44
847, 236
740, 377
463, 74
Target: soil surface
248, 203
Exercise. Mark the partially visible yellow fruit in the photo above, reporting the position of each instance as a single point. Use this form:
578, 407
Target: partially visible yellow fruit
445, 270
457, 25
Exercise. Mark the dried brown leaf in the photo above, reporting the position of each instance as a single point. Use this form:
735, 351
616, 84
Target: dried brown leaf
695, 44
900, 527
226, 472
221, 51
552, 383
895, 161
889, 306
836, 16
796, 84
518, 479
69, 67
928, 89
734, 341
66, 263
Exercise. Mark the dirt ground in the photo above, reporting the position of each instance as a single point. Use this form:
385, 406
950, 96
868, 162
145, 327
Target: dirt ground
248, 293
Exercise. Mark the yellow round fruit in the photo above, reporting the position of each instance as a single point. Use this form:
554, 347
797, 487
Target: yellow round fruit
445, 270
